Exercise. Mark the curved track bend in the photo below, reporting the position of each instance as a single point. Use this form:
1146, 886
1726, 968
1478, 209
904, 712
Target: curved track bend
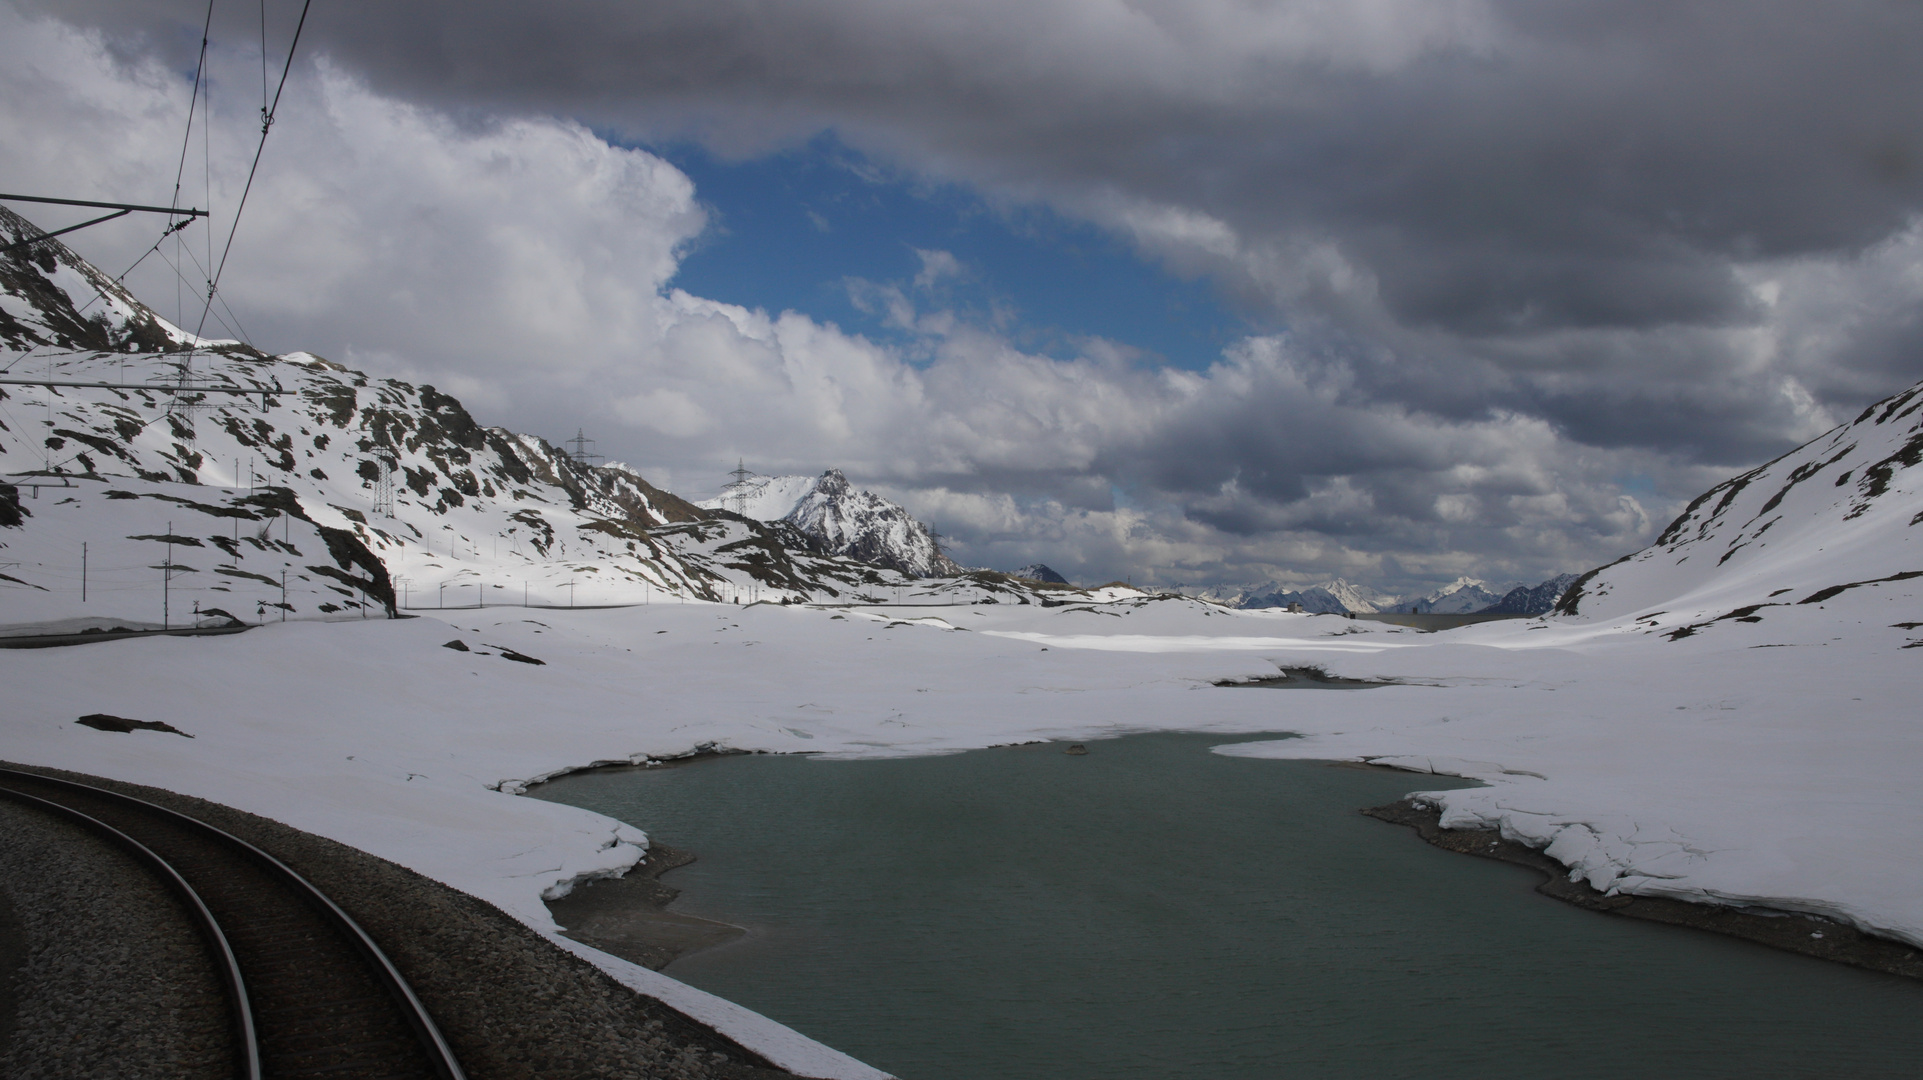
311, 994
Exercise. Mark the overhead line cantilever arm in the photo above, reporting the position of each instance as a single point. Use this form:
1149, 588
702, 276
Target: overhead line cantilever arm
270, 391
124, 208
31, 240
103, 205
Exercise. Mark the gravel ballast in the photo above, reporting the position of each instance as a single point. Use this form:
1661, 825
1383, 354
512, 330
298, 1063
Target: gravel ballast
513, 1005
106, 976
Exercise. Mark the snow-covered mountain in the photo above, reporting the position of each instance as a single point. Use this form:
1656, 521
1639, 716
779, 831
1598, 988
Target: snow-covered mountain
364, 493
1531, 599
837, 518
1831, 525
1336, 596
1041, 572
1460, 597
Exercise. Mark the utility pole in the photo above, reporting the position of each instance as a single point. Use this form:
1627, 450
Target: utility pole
83, 571
283, 595
570, 593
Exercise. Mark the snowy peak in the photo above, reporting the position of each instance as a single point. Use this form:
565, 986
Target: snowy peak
1831, 522
1531, 599
1337, 597
1459, 597
833, 517
1041, 572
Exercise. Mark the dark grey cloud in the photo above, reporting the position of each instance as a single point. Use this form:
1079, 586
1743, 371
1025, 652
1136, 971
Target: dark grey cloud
1521, 248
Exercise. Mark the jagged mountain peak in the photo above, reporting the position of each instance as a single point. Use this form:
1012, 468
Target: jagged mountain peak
834, 517
1531, 599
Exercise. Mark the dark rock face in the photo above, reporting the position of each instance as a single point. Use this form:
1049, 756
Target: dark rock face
1041, 572
1531, 600
832, 483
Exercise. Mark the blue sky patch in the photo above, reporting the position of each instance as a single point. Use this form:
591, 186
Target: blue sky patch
817, 229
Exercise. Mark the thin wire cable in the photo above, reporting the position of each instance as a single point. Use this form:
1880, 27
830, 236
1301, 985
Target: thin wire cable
183, 276
187, 136
186, 141
235, 328
266, 124
263, 57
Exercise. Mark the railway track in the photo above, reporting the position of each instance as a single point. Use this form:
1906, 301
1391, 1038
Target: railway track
310, 993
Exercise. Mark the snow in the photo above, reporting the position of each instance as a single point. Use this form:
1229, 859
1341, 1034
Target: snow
1708, 767
1705, 768
1727, 716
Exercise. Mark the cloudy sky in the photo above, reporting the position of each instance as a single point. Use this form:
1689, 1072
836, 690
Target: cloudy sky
1184, 290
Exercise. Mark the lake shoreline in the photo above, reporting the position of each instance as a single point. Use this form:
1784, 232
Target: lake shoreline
1788, 931
628, 916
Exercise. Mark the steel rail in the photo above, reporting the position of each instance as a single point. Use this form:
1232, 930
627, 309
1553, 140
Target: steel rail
440, 1054
243, 1011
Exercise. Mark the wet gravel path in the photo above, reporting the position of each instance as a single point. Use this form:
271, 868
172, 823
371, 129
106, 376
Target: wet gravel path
513, 1005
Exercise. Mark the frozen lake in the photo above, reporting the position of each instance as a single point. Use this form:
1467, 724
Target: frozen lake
1153, 911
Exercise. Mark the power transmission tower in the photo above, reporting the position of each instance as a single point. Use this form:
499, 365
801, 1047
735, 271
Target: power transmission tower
384, 488
186, 395
739, 489
583, 453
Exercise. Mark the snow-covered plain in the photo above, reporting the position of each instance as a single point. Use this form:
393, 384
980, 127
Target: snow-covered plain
1708, 767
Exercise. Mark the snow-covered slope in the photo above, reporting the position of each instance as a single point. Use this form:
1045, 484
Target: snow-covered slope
395, 479
37, 290
1041, 572
840, 519
1831, 524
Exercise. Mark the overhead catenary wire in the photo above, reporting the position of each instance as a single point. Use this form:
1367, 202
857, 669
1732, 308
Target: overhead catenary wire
186, 141
266, 124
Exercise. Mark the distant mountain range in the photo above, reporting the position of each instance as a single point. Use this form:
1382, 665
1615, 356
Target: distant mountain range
1465, 595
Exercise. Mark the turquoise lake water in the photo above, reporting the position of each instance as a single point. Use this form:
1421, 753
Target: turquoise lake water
1153, 911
